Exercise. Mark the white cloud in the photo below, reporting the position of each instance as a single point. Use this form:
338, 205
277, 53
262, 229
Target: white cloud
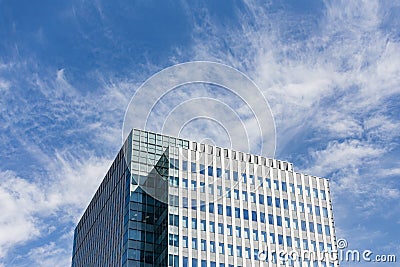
20, 202
34, 204
50, 255
345, 155
70, 183
4, 85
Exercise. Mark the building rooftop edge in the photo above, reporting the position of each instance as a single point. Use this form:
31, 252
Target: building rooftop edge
232, 149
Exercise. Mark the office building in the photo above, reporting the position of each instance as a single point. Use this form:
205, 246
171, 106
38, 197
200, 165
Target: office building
166, 201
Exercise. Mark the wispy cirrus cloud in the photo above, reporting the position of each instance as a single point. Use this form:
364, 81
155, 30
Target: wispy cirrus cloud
333, 84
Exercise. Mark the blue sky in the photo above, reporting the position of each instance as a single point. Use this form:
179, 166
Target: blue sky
330, 71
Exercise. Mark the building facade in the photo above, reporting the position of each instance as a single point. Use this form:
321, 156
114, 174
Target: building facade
166, 201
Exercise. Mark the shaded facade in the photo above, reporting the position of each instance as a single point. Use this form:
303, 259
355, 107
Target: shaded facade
172, 202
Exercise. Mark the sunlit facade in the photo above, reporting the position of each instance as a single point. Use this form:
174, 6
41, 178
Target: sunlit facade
172, 202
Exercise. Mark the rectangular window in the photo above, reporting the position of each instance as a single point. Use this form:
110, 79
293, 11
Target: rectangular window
311, 227
272, 238
211, 189
299, 190
264, 236
276, 185
321, 246
193, 185
212, 246
193, 167
268, 181
212, 227
202, 205
230, 250
301, 207
325, 212
247, 253
246, 214
211, 207
269, 201
262, 217
287, 222
253, 197
261, 199
235, 176
244, 196
185, 221
323, 195
270, 219
220, 209
289, 241
202, 187
285, 204
202, 169
237, 212
221, 249
280, 239
219, 190
239, 251
210, 171
291, 186
247, 233
244, 178
219, 172
228, 192
284, 187
309, 208
227, 175
305, 244
255, 235
303, 226
297, 242
251, 179
307, 191
314, 247
317, 211
184, 165
315, 191
277, 202
185, 183
228, 211
294, 205
203, 225
221, 228
194, 223
295, 224
327, 230
229, 229
236, 194
173, 240
279, 220
185, 241
238, 232
194, 243
203, 245
254, 216
194, 204
319, 228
